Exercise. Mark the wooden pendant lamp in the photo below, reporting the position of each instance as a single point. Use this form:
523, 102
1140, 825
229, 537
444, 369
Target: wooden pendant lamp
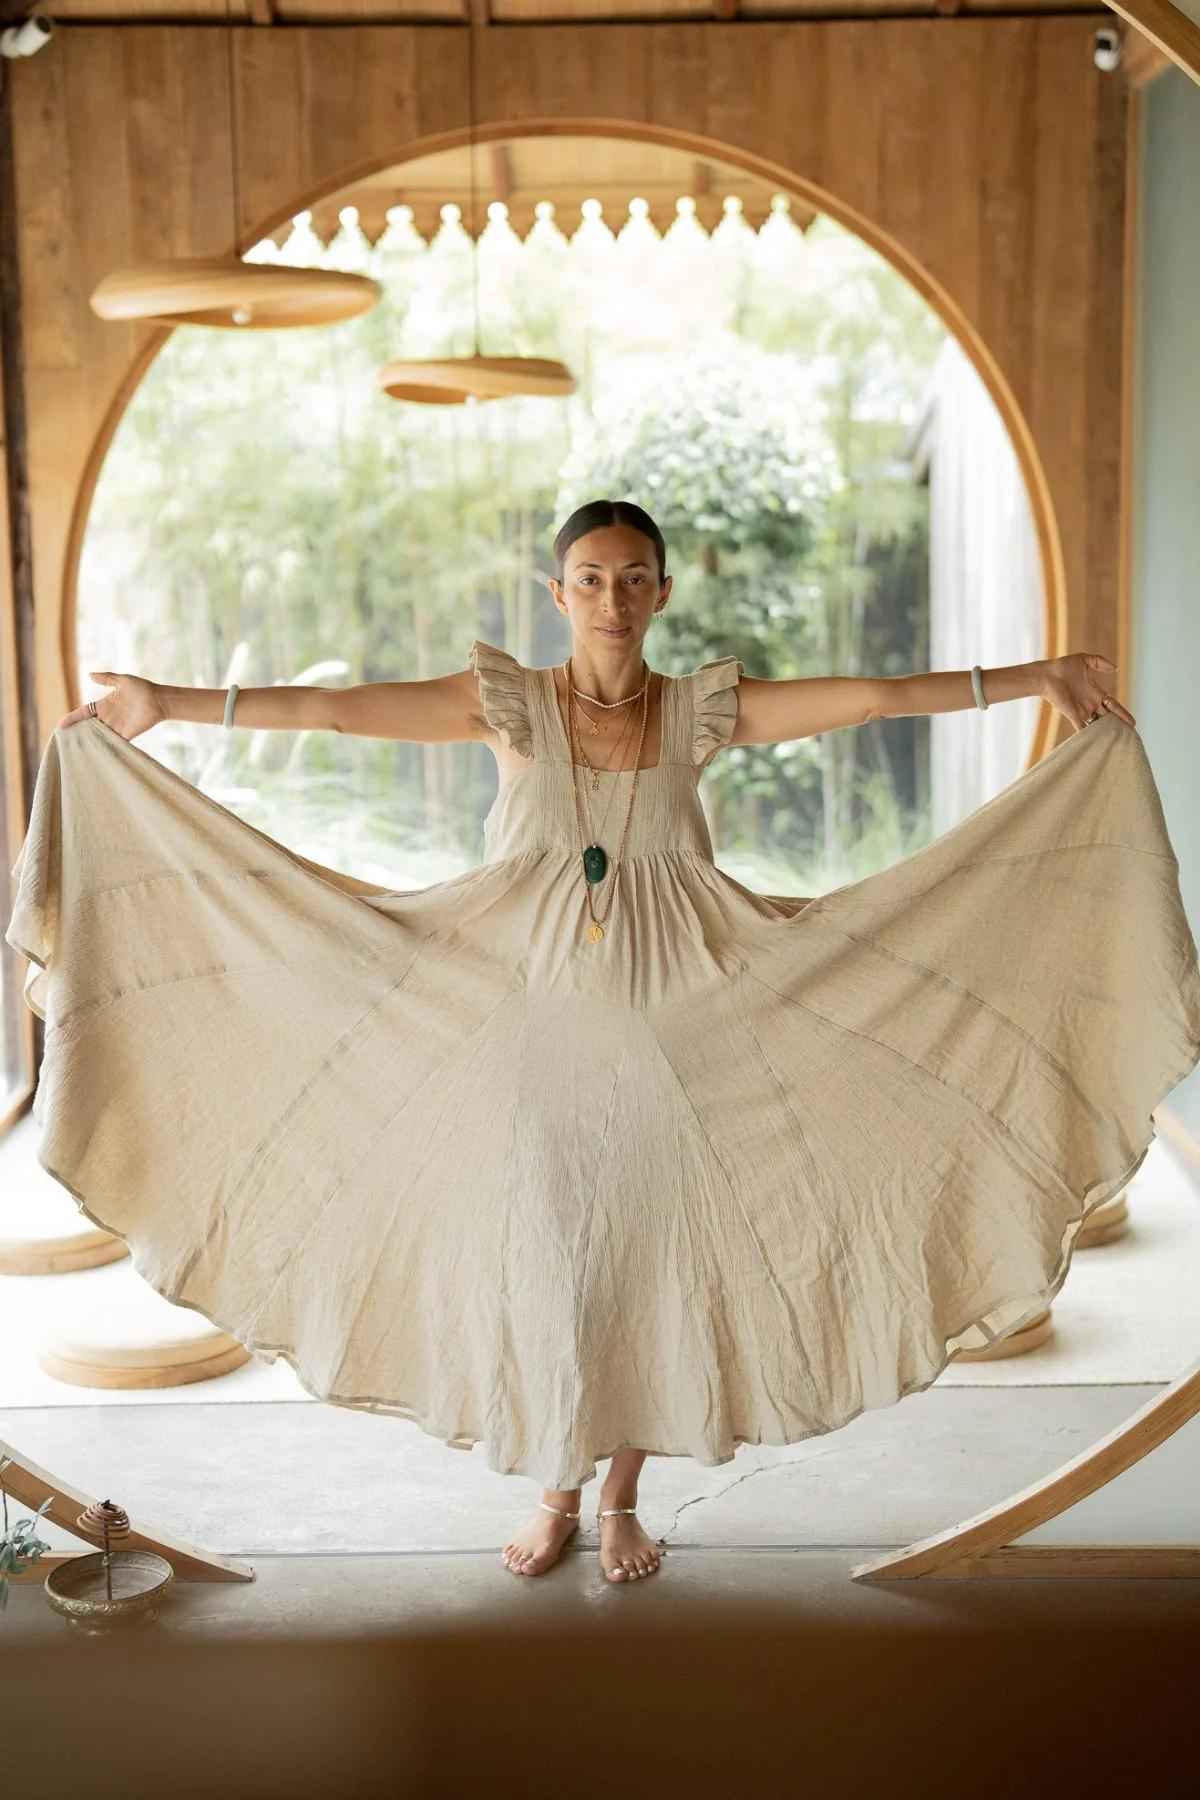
467, 380
225, 291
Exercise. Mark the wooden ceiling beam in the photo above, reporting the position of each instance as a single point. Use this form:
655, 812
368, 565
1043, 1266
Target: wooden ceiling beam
1168, 28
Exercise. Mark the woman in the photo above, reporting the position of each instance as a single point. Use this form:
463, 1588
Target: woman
592, 1151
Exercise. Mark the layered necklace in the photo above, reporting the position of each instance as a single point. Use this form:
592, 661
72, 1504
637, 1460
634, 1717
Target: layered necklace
595, 859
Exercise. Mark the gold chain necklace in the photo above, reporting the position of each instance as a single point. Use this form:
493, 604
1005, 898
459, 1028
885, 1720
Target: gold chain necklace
595, 861
575, 695
596, 774
607, 767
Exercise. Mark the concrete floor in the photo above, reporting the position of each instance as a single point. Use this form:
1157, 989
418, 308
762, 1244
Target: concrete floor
279, 1479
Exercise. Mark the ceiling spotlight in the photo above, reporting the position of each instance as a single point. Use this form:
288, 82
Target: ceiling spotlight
26, 39
1106, 49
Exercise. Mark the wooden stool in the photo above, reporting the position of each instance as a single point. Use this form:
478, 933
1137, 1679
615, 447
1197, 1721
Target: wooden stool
129, 1337
1017, 1342
1107, 1222
58, 1253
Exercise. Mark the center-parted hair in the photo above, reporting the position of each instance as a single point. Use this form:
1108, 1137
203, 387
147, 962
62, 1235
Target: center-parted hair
594, 514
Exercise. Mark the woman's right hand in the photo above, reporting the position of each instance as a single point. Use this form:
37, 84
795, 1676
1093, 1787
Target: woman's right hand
134, 705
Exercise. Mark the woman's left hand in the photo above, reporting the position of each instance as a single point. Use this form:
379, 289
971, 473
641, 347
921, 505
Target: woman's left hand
1072, 686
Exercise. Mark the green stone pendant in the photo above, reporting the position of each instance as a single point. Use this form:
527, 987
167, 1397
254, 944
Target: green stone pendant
595, 863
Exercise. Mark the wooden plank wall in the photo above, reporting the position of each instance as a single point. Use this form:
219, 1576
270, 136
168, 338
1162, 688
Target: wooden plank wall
986, 155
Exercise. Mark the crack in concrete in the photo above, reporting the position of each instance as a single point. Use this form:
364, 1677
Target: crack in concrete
699, 1499
791, 1462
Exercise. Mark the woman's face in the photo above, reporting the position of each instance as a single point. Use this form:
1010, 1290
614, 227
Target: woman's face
610, 580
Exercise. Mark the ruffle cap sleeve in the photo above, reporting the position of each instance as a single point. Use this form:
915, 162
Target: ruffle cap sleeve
503, 694
714, 705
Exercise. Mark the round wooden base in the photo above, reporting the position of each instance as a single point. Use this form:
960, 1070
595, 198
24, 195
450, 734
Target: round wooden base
1106, 1223
89, 1248
129, 1337
1016, 1344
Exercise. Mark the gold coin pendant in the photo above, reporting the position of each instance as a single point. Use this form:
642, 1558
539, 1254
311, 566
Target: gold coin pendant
595, 932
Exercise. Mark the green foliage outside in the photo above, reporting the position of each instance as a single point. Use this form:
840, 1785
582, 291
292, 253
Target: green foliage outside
266, 515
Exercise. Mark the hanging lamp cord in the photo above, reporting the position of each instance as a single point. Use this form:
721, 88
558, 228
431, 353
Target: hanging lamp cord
472, 100
233, 141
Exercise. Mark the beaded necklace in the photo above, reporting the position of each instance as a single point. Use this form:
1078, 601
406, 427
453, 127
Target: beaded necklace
617, 754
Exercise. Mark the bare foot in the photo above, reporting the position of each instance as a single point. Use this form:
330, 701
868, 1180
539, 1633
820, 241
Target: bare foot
626, 1553
535, 1548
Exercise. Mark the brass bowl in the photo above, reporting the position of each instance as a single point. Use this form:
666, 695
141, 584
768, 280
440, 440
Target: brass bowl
78, 1591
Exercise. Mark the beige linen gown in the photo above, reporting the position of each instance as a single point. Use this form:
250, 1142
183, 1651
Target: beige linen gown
739, 1171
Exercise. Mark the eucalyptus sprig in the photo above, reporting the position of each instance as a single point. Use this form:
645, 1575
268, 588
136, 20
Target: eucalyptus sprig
19, 1548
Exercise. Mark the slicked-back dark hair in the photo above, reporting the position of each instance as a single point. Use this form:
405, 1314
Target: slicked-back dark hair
595, 513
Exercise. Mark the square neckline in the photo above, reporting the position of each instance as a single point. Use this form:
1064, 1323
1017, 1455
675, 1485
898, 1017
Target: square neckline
550, 695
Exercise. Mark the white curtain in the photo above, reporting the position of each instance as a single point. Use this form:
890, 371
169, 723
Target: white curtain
986, 595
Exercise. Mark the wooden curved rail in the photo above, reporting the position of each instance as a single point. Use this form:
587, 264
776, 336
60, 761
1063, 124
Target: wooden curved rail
1172, 31
980, 1546
26, 1482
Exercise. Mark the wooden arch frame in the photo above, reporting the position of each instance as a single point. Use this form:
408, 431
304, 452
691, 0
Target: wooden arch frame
964, 1549
935, 295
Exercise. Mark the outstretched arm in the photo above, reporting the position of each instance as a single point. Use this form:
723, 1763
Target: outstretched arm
438, 711
443, 710
770, 712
